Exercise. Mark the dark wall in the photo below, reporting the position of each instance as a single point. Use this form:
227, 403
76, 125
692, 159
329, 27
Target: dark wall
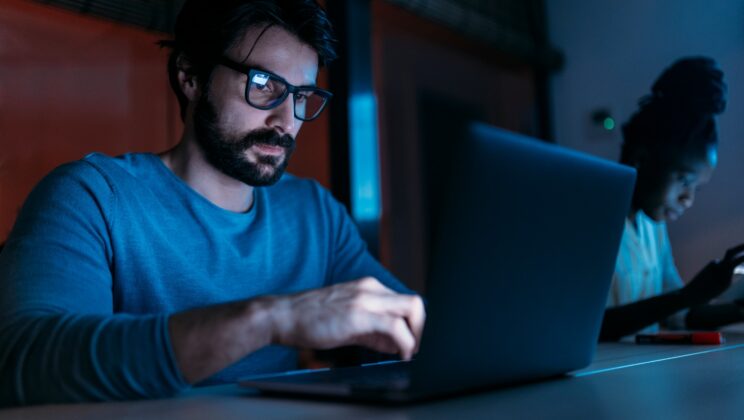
418, 65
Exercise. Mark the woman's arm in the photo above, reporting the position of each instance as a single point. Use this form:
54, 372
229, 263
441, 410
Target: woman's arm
710, 282
707, 317
622, 320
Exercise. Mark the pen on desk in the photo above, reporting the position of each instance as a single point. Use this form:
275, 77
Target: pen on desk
707, 337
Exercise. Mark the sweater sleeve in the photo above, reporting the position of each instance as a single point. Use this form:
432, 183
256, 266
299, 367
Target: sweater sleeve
61, 338
351, 259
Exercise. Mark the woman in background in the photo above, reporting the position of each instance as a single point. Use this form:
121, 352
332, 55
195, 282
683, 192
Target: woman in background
672, 141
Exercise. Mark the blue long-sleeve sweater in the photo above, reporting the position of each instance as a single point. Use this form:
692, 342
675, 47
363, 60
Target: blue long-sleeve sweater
105, 249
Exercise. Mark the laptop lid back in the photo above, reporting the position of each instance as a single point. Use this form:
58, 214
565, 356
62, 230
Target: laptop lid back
523, 256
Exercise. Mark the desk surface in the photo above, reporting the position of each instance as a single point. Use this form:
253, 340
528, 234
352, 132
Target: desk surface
625, 381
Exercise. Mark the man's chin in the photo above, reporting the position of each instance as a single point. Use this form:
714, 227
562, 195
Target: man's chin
260, 169
266, 175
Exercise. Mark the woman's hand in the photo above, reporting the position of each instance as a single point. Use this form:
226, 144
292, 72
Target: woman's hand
715, 277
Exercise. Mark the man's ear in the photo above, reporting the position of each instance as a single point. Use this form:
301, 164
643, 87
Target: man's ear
187, 80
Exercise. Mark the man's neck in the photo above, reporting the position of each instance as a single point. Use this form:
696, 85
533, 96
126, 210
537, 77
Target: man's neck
187, 161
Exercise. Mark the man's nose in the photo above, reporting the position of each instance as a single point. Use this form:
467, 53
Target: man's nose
282, 117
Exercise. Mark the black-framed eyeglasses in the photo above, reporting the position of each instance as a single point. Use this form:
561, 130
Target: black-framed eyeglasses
265, 90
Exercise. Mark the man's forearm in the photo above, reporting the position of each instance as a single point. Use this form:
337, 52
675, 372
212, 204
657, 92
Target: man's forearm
206, 340
65, 357
360, 312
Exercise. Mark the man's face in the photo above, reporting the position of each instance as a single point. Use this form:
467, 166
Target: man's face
248, 144
676, 192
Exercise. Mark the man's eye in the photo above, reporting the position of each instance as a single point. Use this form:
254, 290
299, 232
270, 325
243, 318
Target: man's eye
262, 82
260, 79
266, 87
300, 97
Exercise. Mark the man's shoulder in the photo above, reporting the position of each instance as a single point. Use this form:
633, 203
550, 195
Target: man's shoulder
83, 171
103, 164
95, 172
130, 163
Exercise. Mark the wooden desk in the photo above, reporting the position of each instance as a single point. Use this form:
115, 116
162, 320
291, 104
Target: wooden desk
625, 381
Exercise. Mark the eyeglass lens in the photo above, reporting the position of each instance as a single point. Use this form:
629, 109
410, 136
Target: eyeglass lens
268, 92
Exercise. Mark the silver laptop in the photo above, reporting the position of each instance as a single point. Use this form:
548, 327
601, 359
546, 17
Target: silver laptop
522, 261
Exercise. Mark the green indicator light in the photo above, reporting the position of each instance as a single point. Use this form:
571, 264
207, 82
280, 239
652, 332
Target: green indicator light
609, 123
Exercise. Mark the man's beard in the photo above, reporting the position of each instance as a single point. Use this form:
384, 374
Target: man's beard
228, 153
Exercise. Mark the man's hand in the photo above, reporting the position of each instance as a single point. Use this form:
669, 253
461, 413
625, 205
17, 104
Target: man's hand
715, 277
361, 312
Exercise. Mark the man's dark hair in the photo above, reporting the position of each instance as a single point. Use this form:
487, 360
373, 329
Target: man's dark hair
205, 29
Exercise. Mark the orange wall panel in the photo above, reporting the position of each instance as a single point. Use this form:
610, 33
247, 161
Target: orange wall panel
70, 85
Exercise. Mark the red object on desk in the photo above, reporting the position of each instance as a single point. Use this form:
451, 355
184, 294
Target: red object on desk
705, 337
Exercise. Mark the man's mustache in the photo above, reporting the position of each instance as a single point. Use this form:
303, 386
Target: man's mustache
267, 137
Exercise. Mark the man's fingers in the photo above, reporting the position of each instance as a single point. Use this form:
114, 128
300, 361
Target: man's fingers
394, 304
397, 329
416, 319
371, 284
378, 342
387, 334
410, 307
368, 313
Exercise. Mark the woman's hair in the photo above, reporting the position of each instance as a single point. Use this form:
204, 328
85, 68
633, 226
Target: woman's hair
678, 119
205, 29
